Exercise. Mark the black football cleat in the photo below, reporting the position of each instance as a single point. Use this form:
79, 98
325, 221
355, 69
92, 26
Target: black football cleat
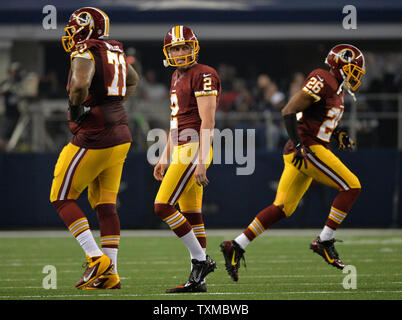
326, 249
232, 253
195, 282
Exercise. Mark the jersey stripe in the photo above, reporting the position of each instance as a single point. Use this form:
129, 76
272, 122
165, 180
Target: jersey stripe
65, 186
183, 180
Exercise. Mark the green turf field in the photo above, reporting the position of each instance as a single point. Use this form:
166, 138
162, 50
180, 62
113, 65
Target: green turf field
280, 265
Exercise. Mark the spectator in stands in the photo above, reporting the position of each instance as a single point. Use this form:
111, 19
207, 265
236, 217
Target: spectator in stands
270, 100
50, 88
152, 89
228, 75
10, 89
296, 84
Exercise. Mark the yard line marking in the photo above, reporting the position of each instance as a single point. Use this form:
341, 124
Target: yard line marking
209, 294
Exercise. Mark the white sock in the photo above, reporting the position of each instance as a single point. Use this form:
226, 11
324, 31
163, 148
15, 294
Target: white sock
112, 254
327, 233
88, 243
242, 241
193, 246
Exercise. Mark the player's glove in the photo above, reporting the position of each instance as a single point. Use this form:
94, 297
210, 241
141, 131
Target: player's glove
300, 156
77, 113
342, 137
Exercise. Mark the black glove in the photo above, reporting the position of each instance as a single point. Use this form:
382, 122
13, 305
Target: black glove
300, 156
342, 137
77, 113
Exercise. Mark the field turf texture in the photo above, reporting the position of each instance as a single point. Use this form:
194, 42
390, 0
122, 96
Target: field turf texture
280, 266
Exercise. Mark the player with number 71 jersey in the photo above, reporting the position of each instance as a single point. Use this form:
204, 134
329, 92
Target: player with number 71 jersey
106, 119
99, 82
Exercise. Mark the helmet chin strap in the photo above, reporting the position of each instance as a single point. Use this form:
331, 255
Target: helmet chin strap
89, 34
344, 85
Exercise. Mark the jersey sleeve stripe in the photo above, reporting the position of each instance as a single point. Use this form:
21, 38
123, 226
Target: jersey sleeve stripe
206, 93
86, 55
308, 91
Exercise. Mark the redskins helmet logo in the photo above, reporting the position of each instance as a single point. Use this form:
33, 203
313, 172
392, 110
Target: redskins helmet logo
346, 55
84, 19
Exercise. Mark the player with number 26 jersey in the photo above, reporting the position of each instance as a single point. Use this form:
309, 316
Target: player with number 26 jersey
311, 118
317, 122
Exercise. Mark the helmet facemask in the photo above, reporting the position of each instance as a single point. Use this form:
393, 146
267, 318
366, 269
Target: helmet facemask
353, 74
188, 59
68, 40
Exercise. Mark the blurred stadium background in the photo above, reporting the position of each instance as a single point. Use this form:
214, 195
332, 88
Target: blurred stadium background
262, 51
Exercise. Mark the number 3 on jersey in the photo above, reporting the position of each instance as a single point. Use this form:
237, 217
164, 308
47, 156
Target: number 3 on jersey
334, 114
174, 105
118, 85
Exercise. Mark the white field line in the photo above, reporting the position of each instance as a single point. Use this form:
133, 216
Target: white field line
286, 276
260, 285
354, 292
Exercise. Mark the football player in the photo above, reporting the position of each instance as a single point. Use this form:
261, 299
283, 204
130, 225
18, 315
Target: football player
99, 81
194, 95
311, 117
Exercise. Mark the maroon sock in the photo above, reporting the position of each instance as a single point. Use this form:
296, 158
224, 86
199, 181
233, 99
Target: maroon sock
68, 210
109, 225
341, 206
176, 221
263, 220
197, 223
72, 216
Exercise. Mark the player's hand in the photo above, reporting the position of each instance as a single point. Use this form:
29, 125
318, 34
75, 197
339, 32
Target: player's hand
159, 171
300, 156
344, 141
78, 114
200, 175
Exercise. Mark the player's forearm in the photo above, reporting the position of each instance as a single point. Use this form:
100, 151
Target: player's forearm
291, 128
78, 95
206, 137
164, 159
131, 82
129, 92
83, 71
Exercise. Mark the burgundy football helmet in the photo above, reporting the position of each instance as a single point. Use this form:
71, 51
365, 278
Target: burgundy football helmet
347, 64
180, 35
85, 23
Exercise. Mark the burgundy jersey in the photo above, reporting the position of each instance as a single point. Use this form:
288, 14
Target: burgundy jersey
318, 121
199, 80
106, 123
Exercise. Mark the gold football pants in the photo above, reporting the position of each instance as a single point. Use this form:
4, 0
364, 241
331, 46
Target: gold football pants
324, 167
178, 184
98, 169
